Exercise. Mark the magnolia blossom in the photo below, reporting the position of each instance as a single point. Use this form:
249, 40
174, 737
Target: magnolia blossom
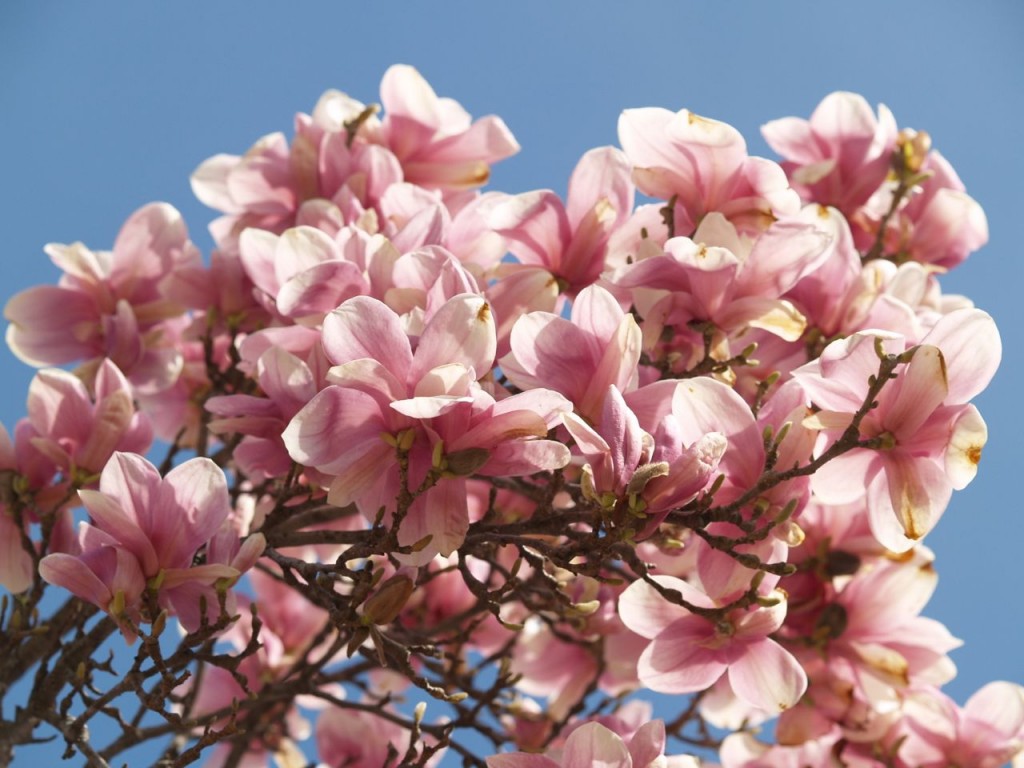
145, 533
689, 653
702, 165
569, 241
598, 346
109, 304
79, 432
594, 744
930, 439
427, 404
841, 155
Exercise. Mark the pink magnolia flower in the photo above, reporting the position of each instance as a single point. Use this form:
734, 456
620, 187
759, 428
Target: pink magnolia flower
939, 224
621, 466
385, 398
569, 241
288, 384
724, 278
302, 272
841, 155
690, 653
146, 531
703, 164
932, 439
79, 432
437, 143
593, 744
109, 304
598, 346
986, 733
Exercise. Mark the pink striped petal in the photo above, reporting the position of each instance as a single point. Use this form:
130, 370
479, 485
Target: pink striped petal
594, 746
199, 492
462, 331
364, 327
644, 611
677, 660
768, 677
524, 457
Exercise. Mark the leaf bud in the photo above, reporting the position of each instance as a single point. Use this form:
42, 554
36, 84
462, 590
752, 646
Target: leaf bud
839, 562
387, 602
467, 461
644, 474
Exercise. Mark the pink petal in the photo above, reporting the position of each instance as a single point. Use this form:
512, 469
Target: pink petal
364, 327
112, 519
357, 469
209, 183
320, 288
462, 331
644, 611
537, 225
970, 343
593, 745
443, 515
677, 660
524, 457
768, 677
200, 494
52, 325
331, 425
75, 576
919, 391
648, 744
602, 174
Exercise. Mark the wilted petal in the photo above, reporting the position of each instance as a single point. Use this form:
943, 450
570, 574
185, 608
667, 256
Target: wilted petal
969, 435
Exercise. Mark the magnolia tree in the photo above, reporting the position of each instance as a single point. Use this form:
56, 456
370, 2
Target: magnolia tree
442, 472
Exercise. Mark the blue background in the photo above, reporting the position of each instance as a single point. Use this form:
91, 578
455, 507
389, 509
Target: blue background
104, 107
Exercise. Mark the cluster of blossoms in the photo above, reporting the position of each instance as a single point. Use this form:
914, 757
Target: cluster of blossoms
513, 451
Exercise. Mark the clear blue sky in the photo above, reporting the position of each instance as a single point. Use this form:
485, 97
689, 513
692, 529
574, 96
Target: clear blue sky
104, 107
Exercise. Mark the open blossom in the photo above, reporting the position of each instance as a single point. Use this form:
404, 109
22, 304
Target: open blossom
931, 438
145, 532
569, 240
109, 304
598, 346
593, 744
690, 653
725, 278
626, 464
79, 432
344, 160
385, 399
841, 155
702, 165
986, 732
